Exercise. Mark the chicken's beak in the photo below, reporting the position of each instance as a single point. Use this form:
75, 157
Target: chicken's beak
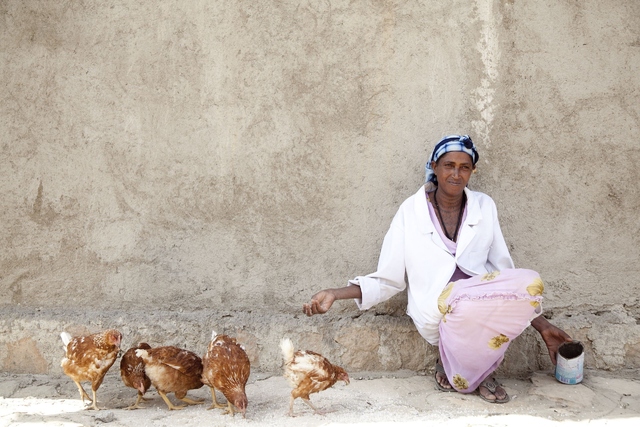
345, 378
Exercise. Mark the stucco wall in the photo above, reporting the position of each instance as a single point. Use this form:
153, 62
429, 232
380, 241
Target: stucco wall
174, 167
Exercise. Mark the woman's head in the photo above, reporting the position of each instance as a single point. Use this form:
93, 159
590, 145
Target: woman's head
449, 144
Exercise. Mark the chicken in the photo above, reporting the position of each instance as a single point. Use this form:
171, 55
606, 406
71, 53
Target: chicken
132, 373
88, 358
172, 369
226, 367
308, 372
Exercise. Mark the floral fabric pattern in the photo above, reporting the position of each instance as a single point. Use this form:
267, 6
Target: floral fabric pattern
496, 342
442, 304
534, 289
490, 276
460, 382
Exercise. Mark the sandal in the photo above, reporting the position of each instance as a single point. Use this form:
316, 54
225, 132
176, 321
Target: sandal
440, 370
491, 385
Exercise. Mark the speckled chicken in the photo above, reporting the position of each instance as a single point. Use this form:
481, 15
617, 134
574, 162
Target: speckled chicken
132, 373
88, 358
227, 368
172, 369
308, 372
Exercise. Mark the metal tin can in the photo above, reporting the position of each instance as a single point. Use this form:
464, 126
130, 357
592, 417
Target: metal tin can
570, 362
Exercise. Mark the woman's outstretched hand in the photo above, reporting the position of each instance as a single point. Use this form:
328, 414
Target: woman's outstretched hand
320, 303
323, 300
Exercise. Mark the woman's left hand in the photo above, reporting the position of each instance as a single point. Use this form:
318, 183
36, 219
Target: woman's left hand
552, 335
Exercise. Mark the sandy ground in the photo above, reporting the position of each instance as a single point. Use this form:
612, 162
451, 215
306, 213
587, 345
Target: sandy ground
372, 399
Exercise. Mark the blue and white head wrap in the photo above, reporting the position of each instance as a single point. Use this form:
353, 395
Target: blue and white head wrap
447, 144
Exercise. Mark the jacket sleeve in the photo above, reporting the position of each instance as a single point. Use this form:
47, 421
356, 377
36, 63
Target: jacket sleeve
499, 257
389, 279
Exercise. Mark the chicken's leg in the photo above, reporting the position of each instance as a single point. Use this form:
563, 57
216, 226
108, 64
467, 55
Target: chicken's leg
168, 402
138, 400
229, 409
305, 400
214, 401
291, 406
190, 401
83, 394
316, 410
95, 401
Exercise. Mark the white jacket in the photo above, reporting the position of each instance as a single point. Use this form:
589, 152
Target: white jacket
413, 245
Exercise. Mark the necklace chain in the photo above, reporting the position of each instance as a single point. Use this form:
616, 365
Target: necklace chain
444, 227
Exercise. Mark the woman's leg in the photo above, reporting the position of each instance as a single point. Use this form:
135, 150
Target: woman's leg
483, 314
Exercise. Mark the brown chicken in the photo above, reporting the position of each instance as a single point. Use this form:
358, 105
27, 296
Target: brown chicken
132, 373
308, 372
88, 358
172, 369
226, 368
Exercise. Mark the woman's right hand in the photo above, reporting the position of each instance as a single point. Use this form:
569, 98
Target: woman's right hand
320, 303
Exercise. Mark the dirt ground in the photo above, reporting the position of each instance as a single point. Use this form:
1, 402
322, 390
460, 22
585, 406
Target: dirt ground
372, 399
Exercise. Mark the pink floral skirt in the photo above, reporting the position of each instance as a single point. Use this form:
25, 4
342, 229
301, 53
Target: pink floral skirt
482, 315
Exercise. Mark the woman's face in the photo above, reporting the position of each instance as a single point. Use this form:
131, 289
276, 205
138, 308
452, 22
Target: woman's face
453, 171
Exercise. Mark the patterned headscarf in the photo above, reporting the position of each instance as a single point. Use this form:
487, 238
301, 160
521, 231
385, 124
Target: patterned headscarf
445, 145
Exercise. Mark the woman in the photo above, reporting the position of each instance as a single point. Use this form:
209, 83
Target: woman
464, 293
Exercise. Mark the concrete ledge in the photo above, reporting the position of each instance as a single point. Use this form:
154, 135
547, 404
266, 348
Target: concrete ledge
30, 342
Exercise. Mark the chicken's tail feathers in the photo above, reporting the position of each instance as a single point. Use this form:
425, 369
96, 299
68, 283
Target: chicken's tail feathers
142, 353
66, 338
287, 350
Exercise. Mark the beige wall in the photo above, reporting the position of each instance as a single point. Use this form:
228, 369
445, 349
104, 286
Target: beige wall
180, 166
